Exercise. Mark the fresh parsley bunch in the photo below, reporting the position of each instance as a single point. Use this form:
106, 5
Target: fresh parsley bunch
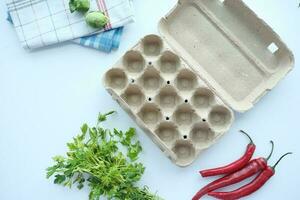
105, 161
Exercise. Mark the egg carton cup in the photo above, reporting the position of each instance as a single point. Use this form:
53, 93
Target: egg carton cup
213, 58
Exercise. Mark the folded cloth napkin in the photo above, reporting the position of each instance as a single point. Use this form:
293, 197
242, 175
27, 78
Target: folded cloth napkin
40, 23
105, 41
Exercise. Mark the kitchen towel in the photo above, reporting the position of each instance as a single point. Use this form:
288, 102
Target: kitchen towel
105, 41
40, 23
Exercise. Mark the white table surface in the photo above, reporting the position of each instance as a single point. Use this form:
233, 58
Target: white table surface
46, 95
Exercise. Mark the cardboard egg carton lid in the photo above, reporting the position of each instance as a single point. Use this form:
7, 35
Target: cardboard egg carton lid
234, 51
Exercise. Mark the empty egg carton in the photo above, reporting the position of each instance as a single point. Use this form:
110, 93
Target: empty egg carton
213, 57
168, 100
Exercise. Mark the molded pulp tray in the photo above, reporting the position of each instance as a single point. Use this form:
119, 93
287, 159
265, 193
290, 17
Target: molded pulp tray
210, 50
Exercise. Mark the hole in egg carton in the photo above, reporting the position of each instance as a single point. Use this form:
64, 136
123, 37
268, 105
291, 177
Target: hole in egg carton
273, 48
150, 114
116, 78
220, 118
134, 61
202, 98
152, 45
186, 80
168, 97
184, 151
167, 132
169, 62
201, 135
133, 96
185, 115
150, 80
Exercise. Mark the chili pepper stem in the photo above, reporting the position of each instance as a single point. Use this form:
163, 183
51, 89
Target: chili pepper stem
274, 166
269, 156
248, 136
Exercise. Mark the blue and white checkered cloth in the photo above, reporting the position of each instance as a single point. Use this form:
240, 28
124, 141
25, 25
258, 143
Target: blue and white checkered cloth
104, 41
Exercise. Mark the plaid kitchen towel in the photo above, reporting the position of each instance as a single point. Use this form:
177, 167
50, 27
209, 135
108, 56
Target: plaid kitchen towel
40, 23
105, 41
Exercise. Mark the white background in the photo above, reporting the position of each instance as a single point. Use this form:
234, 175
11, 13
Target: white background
46, 95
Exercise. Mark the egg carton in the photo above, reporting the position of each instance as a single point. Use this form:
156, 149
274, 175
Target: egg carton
168, 100
181, 88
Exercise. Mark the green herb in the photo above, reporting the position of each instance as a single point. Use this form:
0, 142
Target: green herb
79, 5
105, 161
96, 19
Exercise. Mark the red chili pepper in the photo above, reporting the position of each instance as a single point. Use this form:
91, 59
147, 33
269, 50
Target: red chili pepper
251, 187
249, 170
234, 166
